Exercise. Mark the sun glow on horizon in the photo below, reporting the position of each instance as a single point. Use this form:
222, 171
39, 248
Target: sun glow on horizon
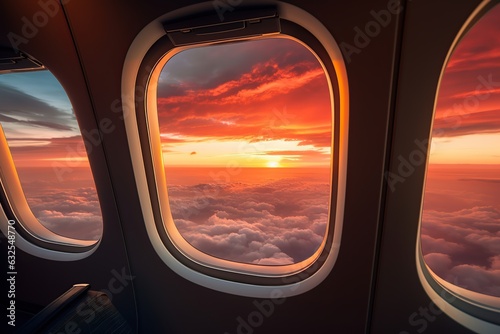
229, 115
469, 149
273, 164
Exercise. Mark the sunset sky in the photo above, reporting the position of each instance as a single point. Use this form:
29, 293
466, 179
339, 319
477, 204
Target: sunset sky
38, 120
262, 103
253, 121
461, 219
467, 120
44, 138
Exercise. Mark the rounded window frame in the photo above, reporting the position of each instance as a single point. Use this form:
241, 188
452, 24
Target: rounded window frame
476, 311
30, 235
224, 275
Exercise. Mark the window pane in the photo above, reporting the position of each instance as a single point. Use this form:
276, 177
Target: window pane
49, 154
461, 219
246, 130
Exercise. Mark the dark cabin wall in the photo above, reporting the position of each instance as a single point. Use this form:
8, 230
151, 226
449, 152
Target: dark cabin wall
167, 301
398, 292
86, 51
39, 281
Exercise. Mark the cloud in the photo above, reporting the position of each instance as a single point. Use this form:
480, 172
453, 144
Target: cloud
477, 278
70, 151
272, 89
479, 47
20, 111
30, 123
469, 93
432, 245
485, 180
271, 223
210, 67
460, 229
36, 130
440, 263
463, 247
481, 279
69, 208
467, 123
297, 153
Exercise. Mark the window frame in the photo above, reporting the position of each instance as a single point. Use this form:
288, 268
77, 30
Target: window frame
31, 236
476, 311
165, 221
153, 46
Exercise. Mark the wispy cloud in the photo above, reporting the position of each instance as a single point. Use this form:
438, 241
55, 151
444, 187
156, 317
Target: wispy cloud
276, 90
469, 95
474, 123
21, 113
43, 151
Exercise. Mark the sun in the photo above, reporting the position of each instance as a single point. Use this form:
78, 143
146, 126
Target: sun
273, 164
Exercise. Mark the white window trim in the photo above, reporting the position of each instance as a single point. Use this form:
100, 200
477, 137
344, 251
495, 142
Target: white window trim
31, 225
179, 241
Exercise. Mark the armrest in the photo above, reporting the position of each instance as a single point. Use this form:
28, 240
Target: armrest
53, 309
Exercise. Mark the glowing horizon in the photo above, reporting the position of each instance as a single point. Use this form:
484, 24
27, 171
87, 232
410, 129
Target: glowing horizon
467, 118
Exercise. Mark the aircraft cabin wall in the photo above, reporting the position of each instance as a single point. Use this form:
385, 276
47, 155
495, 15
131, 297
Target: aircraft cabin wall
373, 286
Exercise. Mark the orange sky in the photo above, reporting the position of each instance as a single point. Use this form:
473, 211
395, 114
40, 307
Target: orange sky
262, 103
467, 120
460, 231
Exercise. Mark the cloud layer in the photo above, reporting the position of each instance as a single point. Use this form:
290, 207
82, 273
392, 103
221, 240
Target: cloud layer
275, 222
70, 208
460, 237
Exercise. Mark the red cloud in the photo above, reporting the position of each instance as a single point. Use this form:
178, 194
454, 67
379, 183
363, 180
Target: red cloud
465, 124
274, 99
469, 94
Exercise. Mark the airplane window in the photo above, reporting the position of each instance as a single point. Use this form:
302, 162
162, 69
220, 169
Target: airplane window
49, 154
246, 133
460, 230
